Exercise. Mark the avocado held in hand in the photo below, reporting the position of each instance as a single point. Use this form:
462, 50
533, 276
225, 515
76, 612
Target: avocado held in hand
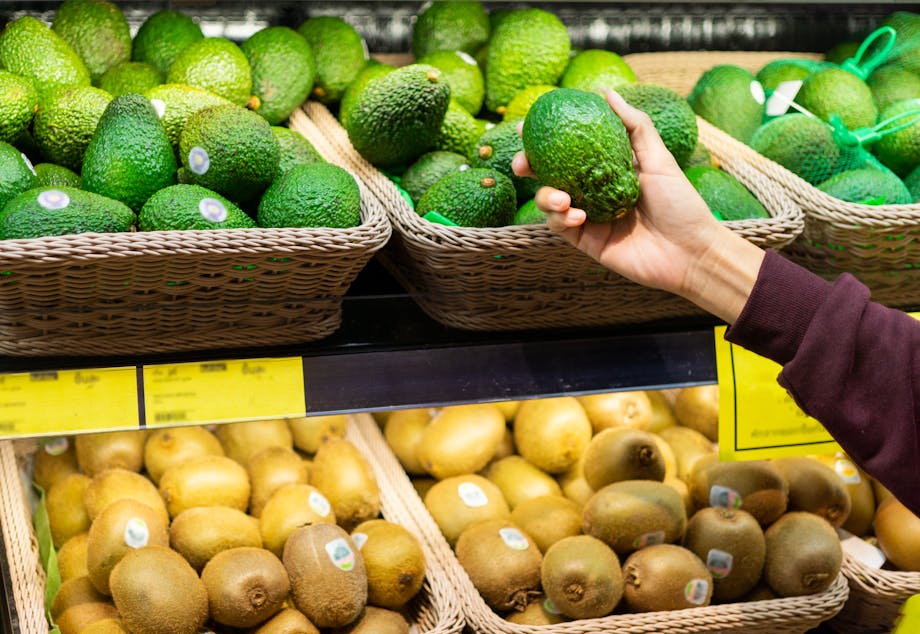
575, 142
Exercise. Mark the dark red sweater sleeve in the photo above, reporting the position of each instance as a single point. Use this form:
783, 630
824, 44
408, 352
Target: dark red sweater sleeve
851, 363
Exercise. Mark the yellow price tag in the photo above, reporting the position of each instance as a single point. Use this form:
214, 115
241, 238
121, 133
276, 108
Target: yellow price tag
68, 401
908, 619
758, 419
220, 391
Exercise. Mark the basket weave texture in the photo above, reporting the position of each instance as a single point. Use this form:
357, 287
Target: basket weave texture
775, 616
876, 596
519, 277
165, 291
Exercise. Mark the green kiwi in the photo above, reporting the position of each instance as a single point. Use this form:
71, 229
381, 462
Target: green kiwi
460, 439
582, 578
502, 562
376, 620
288, 621
54, 459
394, 561
290, 507
168, 447
271, 469
110, 450
77, 618
347, 480
552, 433
116, 484
200, 533
205, 481
689, 447
456, 503
518, 480
309, 432
155, 590
755, 486
731, 544
622, 453
547, 519
71, 557
537, 612
74, 592
665, 577
67, 515
898, 533
803, 554
245, 586
815, 487
403, 433
241, 441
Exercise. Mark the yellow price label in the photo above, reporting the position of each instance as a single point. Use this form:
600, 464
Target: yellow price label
220, 391
908, 619
68, 401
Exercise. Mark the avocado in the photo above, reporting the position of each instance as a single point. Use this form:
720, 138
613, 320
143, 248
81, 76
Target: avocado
597, 70
66, 121
51, 175
351, 96
900, 151
282, 71
462, 74
700, 156
529, 214
190, 207
429, 169
575, 142
339, 53
97, 30
801, 144
215, 64
471, 198
730, 98
836, 91
177, 102
16, 173
450, 25
30, 48
776, 72
912, 181
162, 36
126, 77
18, 103
520, 104
868, 186
727, 198
672, 115
458, 132
43, 211
890, 84
293, 149
317, 195
129, 157
495, 149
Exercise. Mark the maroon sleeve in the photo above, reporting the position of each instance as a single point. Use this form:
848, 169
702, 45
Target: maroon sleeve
847, 361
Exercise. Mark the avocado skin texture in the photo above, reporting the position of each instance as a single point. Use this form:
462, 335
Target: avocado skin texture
162, 36
31, 49
912, 181
24, 217
868, 186
294, 149
398, 116
18, 103
129, 157
282, 71
181, 102
495, 149
450, 25
128, 77
672, 115
801, 144
339, 53
15, 173
352, 94
722, 96
317, 195
429, 169
727, 198
177, 208
836, 91
215, 64
575, 142
97, 30
472, 198
66, 121
51, 175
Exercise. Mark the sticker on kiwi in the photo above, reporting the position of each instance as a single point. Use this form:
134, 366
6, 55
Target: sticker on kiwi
53, 200
696, 591
56, 446
212, 209
725, 497
514, 538
319, 504
136, 533
550, 607
719, 563
341, 554
472, 495
648, 539
198, 160
847, 471
359, 539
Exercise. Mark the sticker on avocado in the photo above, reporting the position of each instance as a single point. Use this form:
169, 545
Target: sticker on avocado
847, 471
696, 591
725, 497
25, 159
341, 554
550, 607
782, 97
56, 446
198, 160
719, 563
514, 538
472, 495
466, 57
159, 106
212, 209
319, 503
648, 539
359, 539
52, 200
757, 92
136, 533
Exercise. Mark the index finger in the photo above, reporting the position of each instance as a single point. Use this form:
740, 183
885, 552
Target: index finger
647, 144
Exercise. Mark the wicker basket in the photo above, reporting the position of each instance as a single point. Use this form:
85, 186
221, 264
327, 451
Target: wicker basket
520, 277
434, 610
876, 596
776, 616
146, 292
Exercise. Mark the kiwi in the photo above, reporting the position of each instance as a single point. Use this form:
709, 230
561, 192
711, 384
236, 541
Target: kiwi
347, 480
552, 433
547, 519
116, 484
537, 612
662, 413
460, 439
509, 409
121, 528
67, 515
617, 409
423, 485
505, 447
502, 562
241, 441
816, 488
245, 586
803, 554
110, 450
155, 590
684, 492
755, 486
622, 453
665, 577
760, 592
881, 492
309, 432
394, 561
518, 480
667, 456
53, 461
573, 483
698, 409
327, 573
288, 621
689, 447
71, 557
168, 447
456, 503
271, 469
199, 533
403, 432
105, 626
376, 620
582, 578
292, 506
633, 514
731, 544
898, 533
74, 592
859, 487
77, 618
205, 481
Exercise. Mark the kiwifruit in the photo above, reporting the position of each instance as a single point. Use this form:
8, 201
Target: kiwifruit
288, 621
755, 486
552, 433
518, 480
422, 485
200, 533
622, 453
77, 618
241, 441
582, 578
815, 487
455, 503
122, 527
309, 432
547, 519
374, 620
633, 514
617, 409
54, 459
460, 439
731, 544
667, 456
394, 561
859, 487
347, 480
505, 447
110, 450
105, 626
116, 484
292, 506
327, 573
881, 492
155, 590
760, 592
689, 446
698, 408
245, 586
403, 433
898, 533
509, 409
205, 481
71, 557
67, 515
684, 492
381, 417
74, 592
271, 469
573, 483
803, 554
502, 562
662, 413
168, 447
665, 577
537, 612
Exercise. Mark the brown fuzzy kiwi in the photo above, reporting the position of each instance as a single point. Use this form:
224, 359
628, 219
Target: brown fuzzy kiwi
518, 480
376, 620
552, 433
54, 460
460, 439
394, 561
816, 488
617, 409
110, 450
287, 621
456, 503
698, 408
74, 592
755, 486
665, 577
689, 446
403, 433
67, 515
537, 612
898, 533
803, 554
622, 453
241, 441
859, 486
662, 412
582, 578
246, 586
271, 469
309, 432
201, 532
205, 481
289, 508
106, 626
347, 480
77, 618
547, 519
573, 483
71, 557
166, 448
115, 484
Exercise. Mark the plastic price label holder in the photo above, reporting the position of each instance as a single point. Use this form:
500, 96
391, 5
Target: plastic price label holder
68, 401
222, 391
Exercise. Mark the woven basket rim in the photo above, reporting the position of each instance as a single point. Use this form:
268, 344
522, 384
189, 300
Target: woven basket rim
902, 583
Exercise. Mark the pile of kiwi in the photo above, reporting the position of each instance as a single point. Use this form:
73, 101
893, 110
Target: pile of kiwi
270, 527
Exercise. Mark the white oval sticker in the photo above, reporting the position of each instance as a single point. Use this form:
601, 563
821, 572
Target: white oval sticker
319, 503
212, 209
136, 533
550, 607
513, 538
758, 93
53, 200
341, 554
359, 539
198, 160
847, 471
56, 446
25, 159
466, 57
159, 106
472, 495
